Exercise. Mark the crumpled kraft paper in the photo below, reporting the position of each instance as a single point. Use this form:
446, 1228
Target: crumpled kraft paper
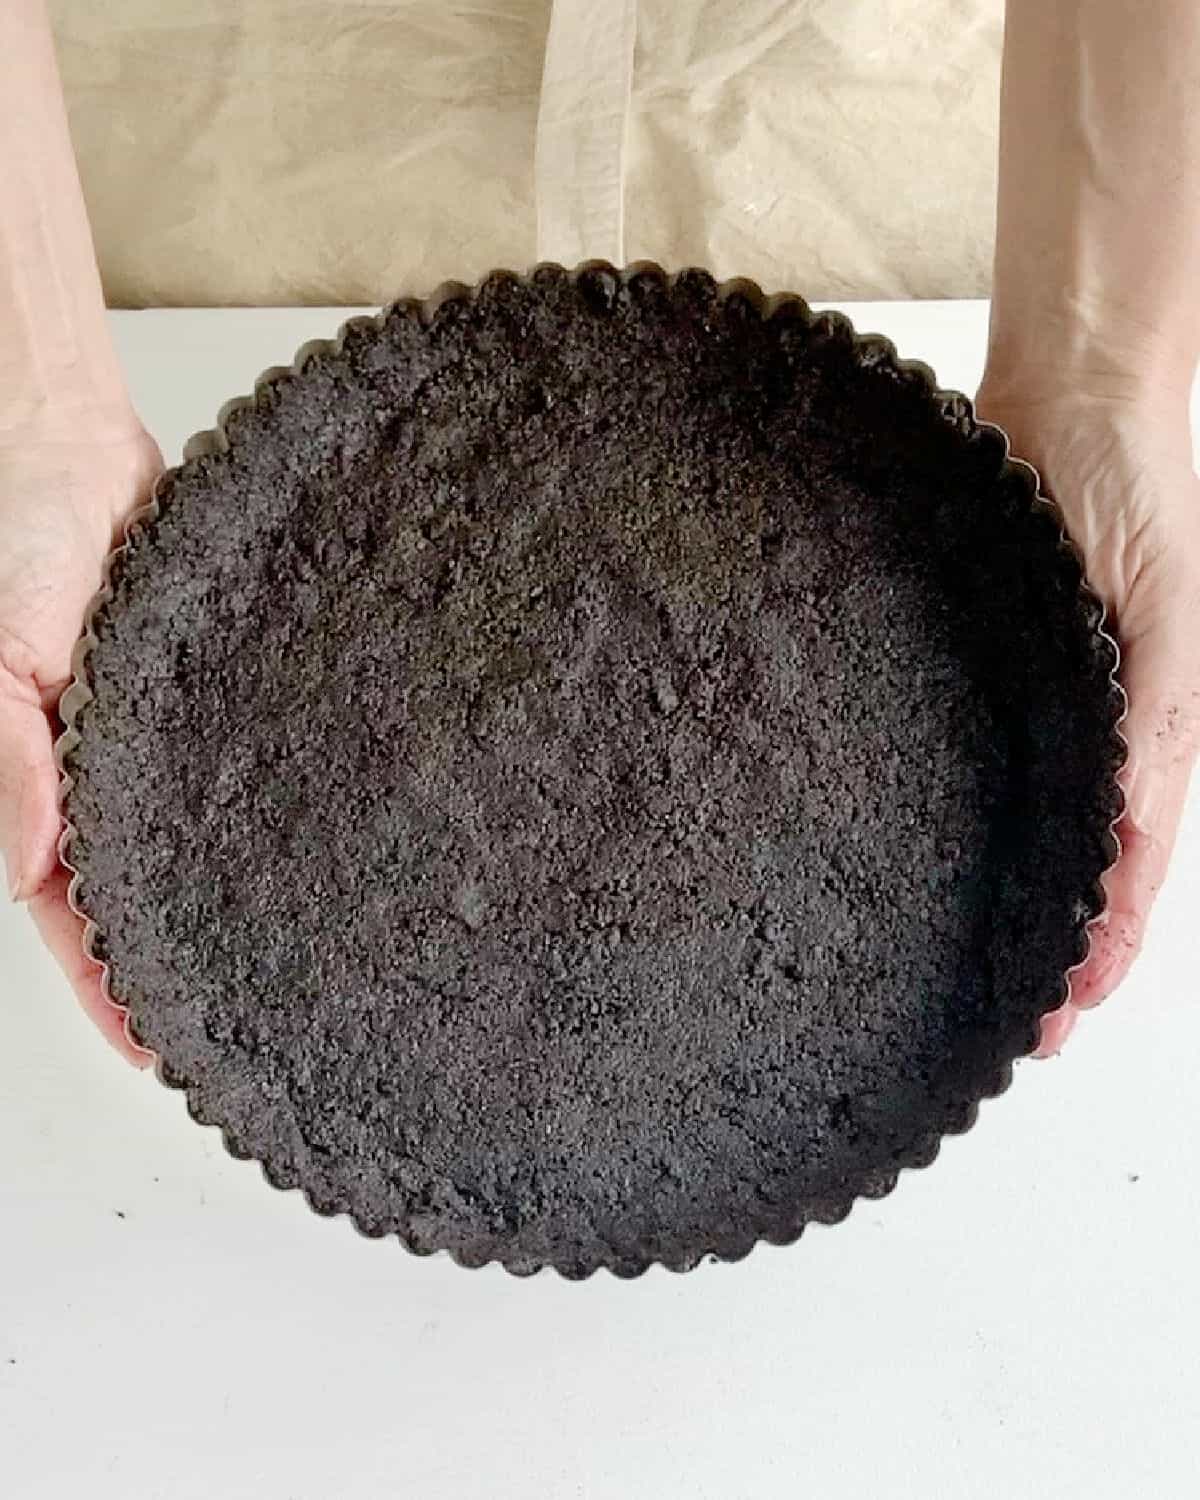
347, 151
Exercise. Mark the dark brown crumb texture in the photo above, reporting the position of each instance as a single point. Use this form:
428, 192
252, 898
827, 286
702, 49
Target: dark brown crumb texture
594, 775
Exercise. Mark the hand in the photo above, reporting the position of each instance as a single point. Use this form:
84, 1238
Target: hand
1120, 467
62, 507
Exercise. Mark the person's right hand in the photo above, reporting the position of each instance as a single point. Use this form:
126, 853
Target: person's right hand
63, 505
1120, 468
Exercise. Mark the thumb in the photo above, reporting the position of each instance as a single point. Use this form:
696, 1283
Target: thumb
29, 818
1161, 730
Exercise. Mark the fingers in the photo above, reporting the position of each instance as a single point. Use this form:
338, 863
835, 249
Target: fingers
1160, 731
1130, 887
29, 827
1116, 942
29, 820
62, 932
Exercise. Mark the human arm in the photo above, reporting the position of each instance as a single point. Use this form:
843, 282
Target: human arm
1094, 340
74, 461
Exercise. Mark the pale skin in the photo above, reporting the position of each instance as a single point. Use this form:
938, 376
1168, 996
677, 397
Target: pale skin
1094, 340
1095, 335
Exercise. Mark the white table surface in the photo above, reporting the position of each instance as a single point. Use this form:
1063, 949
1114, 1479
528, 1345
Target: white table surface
1021, 1320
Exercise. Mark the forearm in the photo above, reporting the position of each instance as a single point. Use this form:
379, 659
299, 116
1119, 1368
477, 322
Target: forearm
1098, 221
59, 376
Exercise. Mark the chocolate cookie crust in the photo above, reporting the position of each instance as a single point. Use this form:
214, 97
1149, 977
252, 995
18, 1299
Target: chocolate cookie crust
598, 771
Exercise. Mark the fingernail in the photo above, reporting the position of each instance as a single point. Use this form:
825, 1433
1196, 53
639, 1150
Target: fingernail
1056, 1028
1115, 943
12, 874
1144, 798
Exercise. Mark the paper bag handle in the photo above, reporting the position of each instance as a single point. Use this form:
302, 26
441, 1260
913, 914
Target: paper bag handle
582, 125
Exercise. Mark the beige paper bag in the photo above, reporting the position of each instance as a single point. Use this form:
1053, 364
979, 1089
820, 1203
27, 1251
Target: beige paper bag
344, 151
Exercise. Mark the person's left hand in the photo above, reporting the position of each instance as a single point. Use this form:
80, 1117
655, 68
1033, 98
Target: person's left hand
1120, 467
62, 506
